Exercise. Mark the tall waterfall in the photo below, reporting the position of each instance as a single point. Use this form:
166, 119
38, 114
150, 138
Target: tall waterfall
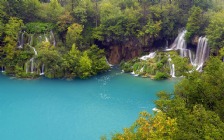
202, 53
172, 67
181, 45
21, 40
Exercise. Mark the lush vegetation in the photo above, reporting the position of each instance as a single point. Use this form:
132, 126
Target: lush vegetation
71, 38
71, 27
193, 111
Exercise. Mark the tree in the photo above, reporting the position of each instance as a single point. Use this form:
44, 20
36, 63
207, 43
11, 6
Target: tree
73, 35
51, 59
147, 127
99, 61
85, 66
215, 31
54, 10
194, 24
72, 60
13, 27
63, 23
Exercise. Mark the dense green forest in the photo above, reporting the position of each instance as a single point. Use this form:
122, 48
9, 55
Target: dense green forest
75, 38
72, 38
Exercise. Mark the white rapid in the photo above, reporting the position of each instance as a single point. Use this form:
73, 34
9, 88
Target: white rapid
202, 53
134, 74
150, 56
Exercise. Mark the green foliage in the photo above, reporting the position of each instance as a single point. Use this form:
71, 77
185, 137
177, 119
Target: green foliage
205, 88
85, 66
38, 27
99, 61
194, 111
182, 65
147, 127
161, 75
215, 31
194, 23
73, 35
13, 27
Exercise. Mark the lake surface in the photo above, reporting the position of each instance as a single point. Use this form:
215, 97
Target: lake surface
46, 109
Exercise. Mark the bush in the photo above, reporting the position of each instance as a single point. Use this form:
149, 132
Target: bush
161, 75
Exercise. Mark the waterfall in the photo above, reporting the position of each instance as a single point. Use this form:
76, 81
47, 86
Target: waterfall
42, 70
172, 67
202, 53
21, 40
180, 43
32, 60
32, 65
46, 39
30, 40
150, 56
3, 69
167, 44
52, 38
35, 52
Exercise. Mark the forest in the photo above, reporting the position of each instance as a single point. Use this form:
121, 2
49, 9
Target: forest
80, 38
72, 38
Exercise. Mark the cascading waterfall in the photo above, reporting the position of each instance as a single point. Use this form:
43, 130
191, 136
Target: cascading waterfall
202, 53
181, 45
172, 67
150, 56
21, 40
32, 60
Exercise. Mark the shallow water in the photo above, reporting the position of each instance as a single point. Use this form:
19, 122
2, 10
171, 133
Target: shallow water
46, 109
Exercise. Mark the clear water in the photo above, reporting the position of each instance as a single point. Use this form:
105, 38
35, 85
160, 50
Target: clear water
46, 109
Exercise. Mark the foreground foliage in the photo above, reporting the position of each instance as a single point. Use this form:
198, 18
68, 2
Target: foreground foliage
193, 111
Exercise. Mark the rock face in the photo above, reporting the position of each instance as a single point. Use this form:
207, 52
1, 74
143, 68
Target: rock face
123, 52
194, 41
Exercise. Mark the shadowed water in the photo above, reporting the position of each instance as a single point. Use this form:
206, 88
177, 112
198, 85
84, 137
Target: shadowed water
46, 109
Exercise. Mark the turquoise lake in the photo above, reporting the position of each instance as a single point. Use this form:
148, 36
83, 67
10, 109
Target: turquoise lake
46, 109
